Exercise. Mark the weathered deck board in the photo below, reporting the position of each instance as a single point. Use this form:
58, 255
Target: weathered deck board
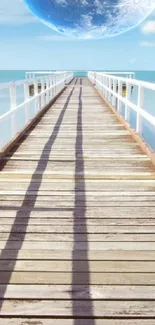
55, 321
77, 220
81, 292
61, 278
60, 308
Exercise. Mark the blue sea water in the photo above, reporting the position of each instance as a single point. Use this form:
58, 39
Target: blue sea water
12, 75
148, 131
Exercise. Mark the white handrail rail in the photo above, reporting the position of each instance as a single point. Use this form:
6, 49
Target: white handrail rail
143, 113
111, 87
145, 84
37, 93
21, 81
33, 74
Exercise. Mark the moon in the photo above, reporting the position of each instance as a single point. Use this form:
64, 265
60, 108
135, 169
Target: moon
91, 19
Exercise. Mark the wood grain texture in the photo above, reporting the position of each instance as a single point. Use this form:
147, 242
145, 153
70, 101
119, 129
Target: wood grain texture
77, 219
81, 278
59, 308
55, 321
80, 292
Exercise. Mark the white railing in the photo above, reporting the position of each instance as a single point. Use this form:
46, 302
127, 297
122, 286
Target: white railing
126, 74
118, 90
24, 105
29, 75
33, 74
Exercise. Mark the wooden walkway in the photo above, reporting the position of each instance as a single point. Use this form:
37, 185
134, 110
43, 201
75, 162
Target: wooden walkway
77, 220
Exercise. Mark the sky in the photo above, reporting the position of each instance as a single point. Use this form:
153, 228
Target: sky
26, 44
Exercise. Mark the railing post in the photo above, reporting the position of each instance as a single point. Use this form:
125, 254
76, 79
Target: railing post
26, 96
106, 83
140, 105
120, 94
55, 84
114, 96
35, 94
102, 85
51, 89
66, 77
109, 95
128, 96
47, 90
13, 104
43, 95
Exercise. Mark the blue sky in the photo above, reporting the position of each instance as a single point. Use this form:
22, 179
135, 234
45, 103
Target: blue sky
25, 43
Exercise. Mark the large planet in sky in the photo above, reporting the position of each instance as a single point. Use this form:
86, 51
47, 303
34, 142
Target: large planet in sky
91, 18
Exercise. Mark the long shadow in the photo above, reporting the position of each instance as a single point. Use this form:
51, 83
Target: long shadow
41, 167
78, 274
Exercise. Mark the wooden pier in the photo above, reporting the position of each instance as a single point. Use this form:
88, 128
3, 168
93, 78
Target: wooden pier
77, 219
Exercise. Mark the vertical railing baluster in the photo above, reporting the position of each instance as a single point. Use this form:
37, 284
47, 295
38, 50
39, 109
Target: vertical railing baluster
102, 85
35, 83
120, 94
106, 83
114, 95
13, 104
26, 97
55, 82
110, 87
128, 97
140, 105
51, 90
47, 92
43, 95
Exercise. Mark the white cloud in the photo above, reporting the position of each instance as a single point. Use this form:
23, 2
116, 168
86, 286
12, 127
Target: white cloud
147, 44
84, 2
14, 12
86, 21
61, 2
149, 27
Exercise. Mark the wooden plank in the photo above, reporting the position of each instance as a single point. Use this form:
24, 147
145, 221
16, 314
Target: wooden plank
81, 239
70, 175
83, 229
55, 321
89, 165
109, 245
96, 255
124, 212
71, 194
39, 204
80, 278
91, 186
80, 292
81, 221
81, 266
122, 159
81, 308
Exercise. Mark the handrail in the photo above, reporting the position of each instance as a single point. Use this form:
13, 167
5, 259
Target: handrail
128, 74
145, 84
111, 87
37, 93
32, 74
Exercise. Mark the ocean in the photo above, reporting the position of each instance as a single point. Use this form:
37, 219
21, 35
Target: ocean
12, 75
148, 131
